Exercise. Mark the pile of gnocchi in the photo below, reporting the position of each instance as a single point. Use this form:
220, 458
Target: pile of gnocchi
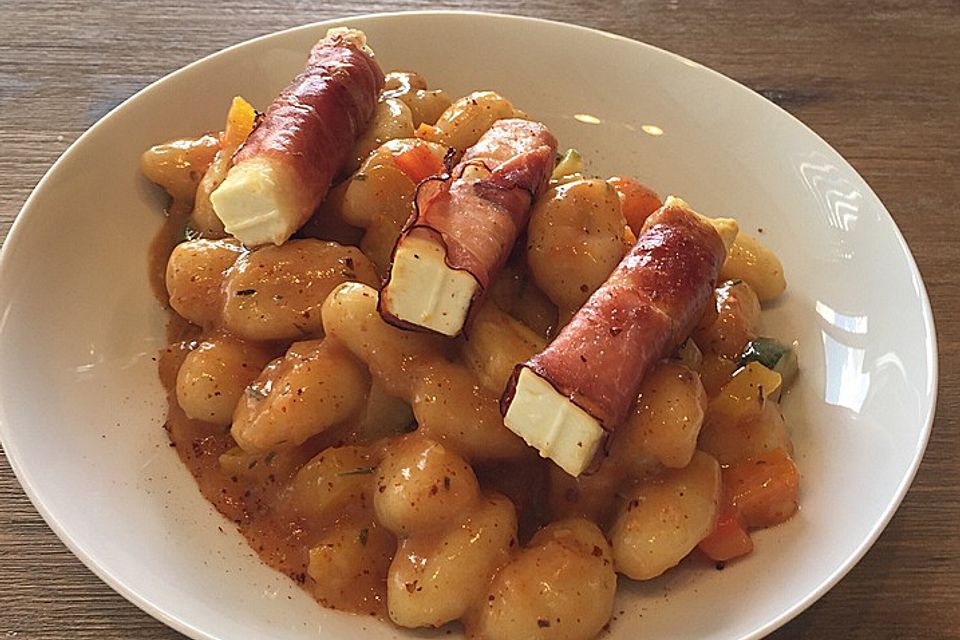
371, 464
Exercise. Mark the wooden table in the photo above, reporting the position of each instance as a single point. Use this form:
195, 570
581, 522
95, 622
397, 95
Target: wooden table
879, 81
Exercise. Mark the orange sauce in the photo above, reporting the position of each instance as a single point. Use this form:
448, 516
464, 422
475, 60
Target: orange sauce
255, 492
252, 499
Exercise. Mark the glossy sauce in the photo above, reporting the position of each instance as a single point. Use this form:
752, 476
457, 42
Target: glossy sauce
310, 509
253, 494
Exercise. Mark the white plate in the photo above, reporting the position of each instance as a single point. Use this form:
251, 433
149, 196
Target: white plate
81, 410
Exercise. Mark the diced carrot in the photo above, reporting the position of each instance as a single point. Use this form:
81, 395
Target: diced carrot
728, 540
240, 121
763, 489
637, 200
418, 162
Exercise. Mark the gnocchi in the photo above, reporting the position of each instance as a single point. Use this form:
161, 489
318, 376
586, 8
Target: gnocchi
663, 519
316, 385
194, 276
735, 323
574, 241
569, 559
214, 376
426, 106
448, 401
439, 577
379, 197
464, 121
392, 119
749, 260
497, 343
421, 484
349, 563
275, 293
338, 481
668, 416
371, 463
179, 165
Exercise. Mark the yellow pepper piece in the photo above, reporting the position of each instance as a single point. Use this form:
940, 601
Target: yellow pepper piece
746, 391
240, 120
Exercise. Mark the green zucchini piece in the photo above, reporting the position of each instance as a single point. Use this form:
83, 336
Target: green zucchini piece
788, 366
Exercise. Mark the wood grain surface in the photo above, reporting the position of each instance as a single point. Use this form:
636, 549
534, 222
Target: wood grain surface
878, 80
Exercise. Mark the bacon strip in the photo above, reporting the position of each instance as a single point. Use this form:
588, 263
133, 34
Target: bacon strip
649, 304
314, 122
304, 139
477, 212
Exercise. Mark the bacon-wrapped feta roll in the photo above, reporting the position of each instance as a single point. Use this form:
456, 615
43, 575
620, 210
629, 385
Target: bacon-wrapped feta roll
284, 169
465, 226
563, 400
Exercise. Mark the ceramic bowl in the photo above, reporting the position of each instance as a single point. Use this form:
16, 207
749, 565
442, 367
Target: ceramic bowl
82, 411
